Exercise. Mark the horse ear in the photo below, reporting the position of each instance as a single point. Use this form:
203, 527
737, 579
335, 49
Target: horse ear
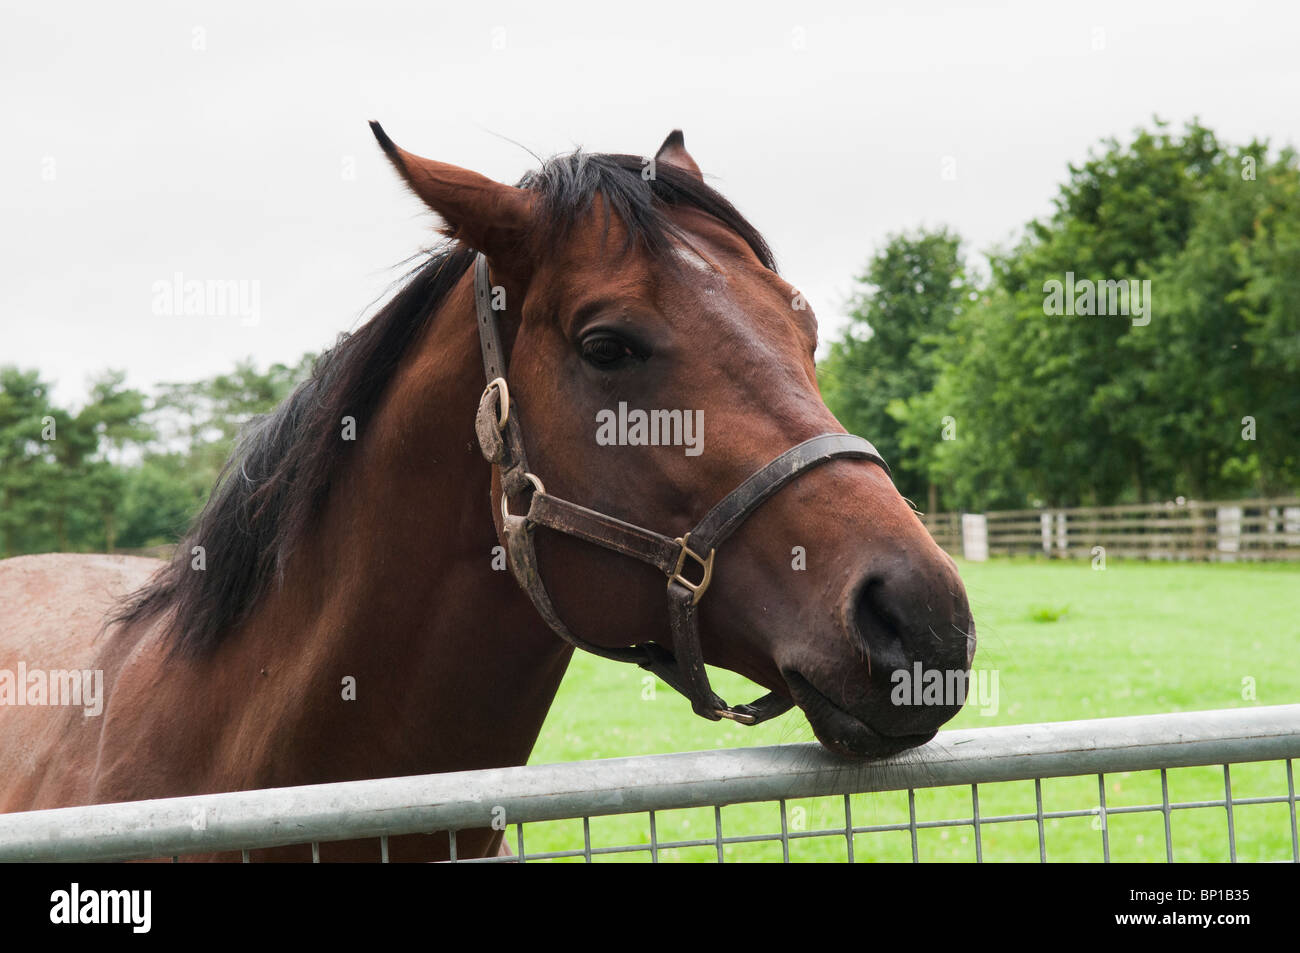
484, 214
673, 152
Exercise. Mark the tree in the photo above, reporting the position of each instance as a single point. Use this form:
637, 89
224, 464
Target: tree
911, 293
1068, 409
25, 459
123, 470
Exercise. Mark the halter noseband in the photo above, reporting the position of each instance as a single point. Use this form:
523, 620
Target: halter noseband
502, 444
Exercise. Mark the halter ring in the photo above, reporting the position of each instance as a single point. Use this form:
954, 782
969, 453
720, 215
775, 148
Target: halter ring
505, 499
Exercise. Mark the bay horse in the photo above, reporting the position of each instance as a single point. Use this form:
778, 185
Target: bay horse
340, 610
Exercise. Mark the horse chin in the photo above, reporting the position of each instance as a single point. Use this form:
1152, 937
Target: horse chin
843, 733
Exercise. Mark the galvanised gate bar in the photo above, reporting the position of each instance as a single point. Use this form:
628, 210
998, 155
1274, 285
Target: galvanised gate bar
515, 797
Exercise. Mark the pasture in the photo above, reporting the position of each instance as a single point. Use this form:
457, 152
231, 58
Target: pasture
1066, 642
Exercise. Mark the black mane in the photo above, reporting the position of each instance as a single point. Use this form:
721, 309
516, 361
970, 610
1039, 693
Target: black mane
279, 475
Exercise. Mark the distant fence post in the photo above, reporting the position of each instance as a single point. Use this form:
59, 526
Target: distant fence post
1291, 525
975, 537
1227, 520
1045, 522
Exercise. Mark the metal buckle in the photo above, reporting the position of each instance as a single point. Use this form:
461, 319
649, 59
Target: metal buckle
706, 563
505, 499
503, 400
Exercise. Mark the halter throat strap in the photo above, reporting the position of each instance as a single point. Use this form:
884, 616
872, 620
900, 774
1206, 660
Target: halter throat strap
687, 561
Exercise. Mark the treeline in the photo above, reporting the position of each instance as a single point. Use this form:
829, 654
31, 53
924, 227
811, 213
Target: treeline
1024, 387
126, 470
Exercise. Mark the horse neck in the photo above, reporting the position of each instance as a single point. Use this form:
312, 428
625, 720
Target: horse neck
451, 666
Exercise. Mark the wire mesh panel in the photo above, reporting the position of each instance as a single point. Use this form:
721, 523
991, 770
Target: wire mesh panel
824, 830
1199, 786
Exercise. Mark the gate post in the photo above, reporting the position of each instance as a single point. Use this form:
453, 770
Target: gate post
975, 537
1228, 530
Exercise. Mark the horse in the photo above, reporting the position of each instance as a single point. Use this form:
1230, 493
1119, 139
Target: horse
340, 609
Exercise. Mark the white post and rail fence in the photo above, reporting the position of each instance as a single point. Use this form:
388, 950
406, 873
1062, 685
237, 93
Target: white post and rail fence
1214, 531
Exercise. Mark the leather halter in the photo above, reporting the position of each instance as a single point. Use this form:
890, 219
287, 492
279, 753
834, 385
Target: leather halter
501, 441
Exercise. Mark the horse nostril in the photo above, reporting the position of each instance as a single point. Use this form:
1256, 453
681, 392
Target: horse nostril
905, 616
877, 627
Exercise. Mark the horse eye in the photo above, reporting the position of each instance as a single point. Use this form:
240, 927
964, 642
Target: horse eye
606, 351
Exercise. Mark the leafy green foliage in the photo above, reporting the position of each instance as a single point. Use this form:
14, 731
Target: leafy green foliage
1072, 409
913, 292
124, 471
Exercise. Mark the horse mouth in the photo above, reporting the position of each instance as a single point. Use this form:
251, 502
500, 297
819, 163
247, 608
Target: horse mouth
843, 733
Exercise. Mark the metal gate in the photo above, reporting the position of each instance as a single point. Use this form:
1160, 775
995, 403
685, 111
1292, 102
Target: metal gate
979, 761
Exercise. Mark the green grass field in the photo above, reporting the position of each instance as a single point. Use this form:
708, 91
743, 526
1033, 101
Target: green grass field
1067, 642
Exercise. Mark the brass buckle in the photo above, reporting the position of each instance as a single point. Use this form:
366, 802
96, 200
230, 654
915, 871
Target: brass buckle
706, 563
503, 400
505, 499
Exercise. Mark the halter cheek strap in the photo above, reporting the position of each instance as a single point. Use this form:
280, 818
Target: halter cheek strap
687, 561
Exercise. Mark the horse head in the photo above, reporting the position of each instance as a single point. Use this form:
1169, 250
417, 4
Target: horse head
652, 360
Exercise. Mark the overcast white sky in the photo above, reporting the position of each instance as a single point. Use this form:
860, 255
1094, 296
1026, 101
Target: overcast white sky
130, 154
